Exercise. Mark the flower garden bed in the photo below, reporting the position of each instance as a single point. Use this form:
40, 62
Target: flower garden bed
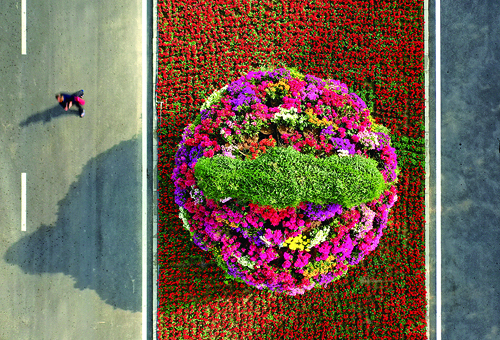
377, 50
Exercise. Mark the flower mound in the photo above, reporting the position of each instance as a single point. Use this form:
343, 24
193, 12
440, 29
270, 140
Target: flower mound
272, 139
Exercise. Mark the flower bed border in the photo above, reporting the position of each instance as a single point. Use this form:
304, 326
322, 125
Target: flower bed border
376, 273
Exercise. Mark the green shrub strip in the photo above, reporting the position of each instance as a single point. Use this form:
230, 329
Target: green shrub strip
284, 177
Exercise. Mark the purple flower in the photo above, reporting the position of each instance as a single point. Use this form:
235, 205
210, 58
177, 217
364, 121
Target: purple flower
318, 212
343, 144
205, 114
313, 80
254, 75
337, 83
180, 196
242, 94
198, 240
310, 92
278, 74
238, 231
325, 279
194, 154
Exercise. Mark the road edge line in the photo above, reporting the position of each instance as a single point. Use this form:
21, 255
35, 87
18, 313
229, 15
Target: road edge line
438, 170
427, 164
154, 181
144, 238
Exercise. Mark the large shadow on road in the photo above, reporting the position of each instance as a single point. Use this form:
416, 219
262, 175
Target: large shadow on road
44, 117
97, 236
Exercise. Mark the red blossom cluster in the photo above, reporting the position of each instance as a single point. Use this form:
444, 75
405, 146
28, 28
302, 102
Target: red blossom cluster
260, 147
372, 46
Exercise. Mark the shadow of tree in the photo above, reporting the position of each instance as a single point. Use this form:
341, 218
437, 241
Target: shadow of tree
97, 236
47, 115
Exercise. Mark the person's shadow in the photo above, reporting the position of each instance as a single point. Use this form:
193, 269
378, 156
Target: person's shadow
47, 115
97, 236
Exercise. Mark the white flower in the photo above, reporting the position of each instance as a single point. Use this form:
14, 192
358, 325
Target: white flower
319, 237
287, 115
227, 151
369, 139
343, 153
263, 238
245, 261
183, 215
213, 98
196, 195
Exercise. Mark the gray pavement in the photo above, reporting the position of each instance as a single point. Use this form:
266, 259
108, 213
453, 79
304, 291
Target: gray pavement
470, 159
76, 272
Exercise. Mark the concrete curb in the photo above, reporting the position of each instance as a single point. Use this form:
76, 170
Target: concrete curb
426, 61
427, 169
427, 165
154, 146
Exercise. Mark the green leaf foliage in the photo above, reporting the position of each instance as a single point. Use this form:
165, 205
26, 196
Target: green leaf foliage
284, 177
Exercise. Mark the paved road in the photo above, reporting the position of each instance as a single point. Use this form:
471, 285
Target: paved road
75, 273
470, 161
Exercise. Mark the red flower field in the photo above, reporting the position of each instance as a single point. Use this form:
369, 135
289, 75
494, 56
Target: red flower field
377, 49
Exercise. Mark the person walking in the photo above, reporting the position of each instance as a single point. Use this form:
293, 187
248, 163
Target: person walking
68, 100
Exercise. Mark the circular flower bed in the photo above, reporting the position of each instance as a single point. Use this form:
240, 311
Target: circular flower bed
285, 179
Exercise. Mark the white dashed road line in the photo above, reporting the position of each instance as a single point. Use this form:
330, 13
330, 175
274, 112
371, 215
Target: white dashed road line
23, 201
23, 27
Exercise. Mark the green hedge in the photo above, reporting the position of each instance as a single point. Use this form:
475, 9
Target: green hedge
284, 177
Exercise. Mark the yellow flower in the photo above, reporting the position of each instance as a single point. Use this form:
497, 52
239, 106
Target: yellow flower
314, 120
298, 242
284, 84
314, 268
296, 74
370, 118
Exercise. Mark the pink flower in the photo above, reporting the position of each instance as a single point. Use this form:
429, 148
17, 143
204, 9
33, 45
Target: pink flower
208, 154
303, 259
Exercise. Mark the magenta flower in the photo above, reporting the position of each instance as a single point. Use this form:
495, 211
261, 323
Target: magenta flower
251, 239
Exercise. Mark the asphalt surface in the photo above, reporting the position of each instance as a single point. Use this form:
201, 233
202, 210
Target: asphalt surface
75, 273
470, 164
